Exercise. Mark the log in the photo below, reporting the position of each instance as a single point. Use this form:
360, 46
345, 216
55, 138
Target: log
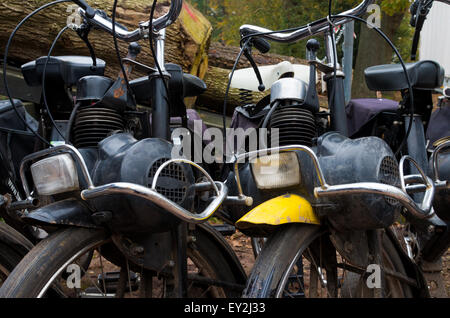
224, 56
187, 40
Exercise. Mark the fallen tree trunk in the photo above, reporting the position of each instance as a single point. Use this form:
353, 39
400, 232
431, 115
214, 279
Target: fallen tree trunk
187, 40
224, 56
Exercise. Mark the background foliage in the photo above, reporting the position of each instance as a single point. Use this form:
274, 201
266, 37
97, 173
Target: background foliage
228, 15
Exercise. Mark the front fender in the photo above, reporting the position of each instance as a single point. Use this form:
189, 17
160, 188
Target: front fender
70, 212
286, 209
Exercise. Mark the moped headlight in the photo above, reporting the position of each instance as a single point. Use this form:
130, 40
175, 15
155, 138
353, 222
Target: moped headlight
276, 171
55, 175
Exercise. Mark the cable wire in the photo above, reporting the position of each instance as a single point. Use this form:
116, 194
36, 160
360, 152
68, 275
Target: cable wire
116, 46
44, 72
5, 62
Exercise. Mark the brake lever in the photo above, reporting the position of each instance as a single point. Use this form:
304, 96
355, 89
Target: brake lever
419, 13
248, 54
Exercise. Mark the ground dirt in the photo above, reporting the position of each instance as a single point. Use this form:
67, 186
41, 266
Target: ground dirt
241, 244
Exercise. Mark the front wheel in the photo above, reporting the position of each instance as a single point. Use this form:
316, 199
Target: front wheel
300, 261
50, 263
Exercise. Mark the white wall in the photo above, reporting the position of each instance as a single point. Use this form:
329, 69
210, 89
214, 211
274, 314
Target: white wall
435, 39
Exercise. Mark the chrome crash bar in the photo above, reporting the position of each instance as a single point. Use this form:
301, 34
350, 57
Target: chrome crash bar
150, 194
421, 210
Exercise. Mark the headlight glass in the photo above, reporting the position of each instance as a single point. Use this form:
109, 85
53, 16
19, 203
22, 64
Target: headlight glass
55, 175
275, 171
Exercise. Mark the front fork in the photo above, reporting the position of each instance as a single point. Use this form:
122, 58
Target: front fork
176, 284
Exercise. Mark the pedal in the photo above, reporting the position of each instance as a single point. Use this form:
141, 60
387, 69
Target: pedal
225, 229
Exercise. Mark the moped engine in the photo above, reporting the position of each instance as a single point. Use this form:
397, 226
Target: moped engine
292, 122
122, 158
345, 161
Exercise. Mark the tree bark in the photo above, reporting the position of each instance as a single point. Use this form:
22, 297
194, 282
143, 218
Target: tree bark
373, 50
224, 56
187, 40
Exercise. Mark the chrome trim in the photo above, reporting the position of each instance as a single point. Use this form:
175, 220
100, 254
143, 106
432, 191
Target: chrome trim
106, 25
311, 29
434, 159
67, 263
427, 203
158, 199
376, 188
420, 211
76, 155
265, 152
132, 189
132, 36
181, 160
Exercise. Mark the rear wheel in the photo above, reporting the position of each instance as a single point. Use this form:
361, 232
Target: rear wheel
48, 263
300, 261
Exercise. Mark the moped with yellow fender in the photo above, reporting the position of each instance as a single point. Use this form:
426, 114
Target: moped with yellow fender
331, 201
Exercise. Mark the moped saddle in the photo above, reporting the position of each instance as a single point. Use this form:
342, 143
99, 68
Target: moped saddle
426, 75
68, 69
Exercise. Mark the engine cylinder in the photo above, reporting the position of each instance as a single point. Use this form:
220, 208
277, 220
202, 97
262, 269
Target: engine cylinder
93, 124
294, 124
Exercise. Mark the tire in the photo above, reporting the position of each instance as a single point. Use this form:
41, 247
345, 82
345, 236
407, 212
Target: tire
37, 271
13, 247
280, 256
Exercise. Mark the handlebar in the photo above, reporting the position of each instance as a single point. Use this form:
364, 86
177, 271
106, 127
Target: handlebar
313, 28
105, 24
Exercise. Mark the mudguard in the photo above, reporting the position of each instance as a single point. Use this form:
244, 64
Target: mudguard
70, 212
286, 209
231, 257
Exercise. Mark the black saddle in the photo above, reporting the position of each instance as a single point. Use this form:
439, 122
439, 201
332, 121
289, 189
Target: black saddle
66, 69
424, 75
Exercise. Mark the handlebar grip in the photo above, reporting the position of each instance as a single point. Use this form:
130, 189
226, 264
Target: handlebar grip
261, 45
90, 12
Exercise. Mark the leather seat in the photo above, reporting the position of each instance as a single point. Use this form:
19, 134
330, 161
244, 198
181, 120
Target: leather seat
426, 75
68, 69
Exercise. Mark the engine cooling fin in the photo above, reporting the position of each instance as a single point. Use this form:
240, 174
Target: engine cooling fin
295, 125
92, 125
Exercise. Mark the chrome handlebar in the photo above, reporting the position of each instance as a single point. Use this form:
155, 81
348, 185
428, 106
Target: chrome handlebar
311, 29
143, 30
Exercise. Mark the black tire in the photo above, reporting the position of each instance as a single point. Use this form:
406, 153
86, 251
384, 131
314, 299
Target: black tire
13, 247
29, 278
48, 258
269, 276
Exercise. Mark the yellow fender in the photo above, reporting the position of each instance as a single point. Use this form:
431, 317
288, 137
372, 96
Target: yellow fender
286, 209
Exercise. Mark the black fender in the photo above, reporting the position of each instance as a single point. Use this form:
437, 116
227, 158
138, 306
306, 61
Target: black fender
411, 268
217, 238
14, 240
70, 212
